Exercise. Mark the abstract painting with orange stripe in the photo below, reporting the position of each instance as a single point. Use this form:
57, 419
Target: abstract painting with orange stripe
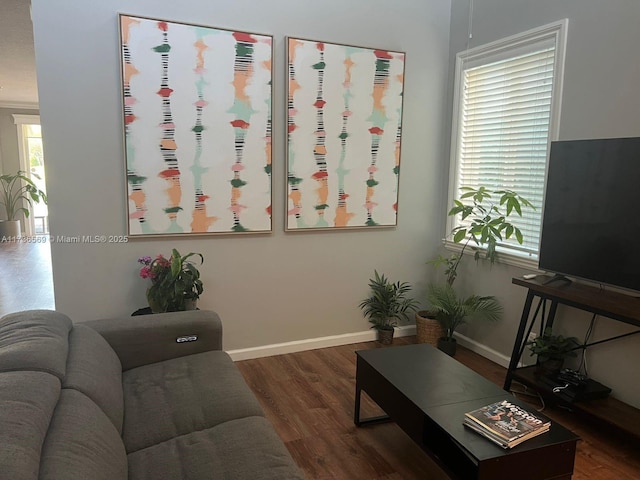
344, 128
197, 128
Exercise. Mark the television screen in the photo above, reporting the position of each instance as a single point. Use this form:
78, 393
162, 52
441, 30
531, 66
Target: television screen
591, 220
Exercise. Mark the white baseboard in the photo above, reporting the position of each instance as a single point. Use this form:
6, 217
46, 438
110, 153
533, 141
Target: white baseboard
483, 350
314, 343
355, 337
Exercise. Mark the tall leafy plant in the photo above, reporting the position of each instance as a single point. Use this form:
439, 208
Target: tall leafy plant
485, 214
16, 190
387, 303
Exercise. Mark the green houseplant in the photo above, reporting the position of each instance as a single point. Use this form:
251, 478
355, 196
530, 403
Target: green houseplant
552, 350
453, 310
175, 282
17, 194
486, 214
387, 304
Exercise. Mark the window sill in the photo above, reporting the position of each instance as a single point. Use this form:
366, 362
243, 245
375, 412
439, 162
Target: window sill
504, 257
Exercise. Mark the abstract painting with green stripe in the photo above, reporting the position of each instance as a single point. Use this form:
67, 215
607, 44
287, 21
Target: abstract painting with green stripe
344, 129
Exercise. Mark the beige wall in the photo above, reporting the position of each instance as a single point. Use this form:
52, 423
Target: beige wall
267, 288
600, 99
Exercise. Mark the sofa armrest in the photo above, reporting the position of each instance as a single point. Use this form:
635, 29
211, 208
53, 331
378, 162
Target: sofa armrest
144, 339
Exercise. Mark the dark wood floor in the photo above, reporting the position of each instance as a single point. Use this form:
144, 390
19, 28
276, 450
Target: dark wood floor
26, 282
308, 396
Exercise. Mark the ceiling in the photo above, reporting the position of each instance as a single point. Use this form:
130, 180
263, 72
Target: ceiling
18, 86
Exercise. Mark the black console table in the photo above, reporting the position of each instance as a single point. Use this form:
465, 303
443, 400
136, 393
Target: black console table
613, 305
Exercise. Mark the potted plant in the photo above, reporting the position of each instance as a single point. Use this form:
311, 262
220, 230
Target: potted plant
453, 311
486, 212
387, 304
17, 193
552, 350
175, 282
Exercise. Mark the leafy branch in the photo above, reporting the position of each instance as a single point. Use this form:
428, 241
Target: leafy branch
487, 226
18, 188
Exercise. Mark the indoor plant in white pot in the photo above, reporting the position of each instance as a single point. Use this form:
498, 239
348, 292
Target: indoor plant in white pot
387, 304
17, 194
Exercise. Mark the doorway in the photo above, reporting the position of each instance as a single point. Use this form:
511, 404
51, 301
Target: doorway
32, 162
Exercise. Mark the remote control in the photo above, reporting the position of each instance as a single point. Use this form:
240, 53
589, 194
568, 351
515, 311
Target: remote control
529, 276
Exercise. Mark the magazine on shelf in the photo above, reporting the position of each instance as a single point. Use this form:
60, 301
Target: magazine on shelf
506, 423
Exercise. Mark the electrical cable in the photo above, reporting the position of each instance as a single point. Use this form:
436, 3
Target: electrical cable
528, 393
583, 360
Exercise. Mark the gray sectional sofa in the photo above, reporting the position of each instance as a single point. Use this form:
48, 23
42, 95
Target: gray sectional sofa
147, 397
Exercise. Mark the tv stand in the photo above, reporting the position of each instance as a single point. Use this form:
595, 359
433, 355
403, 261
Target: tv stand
557, 278
613, 305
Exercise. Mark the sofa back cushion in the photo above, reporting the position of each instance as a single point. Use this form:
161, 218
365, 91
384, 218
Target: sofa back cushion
94, 369
61, 402
82, 443
36, 340
27, 402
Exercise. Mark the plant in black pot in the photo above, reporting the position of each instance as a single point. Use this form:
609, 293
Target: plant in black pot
552, 350
387, 304
175, 282
453, 310
484, 216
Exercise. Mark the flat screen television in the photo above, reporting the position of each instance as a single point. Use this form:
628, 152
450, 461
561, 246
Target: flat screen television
591, 219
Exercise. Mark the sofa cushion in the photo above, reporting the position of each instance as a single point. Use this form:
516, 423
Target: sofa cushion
34, 340
27, 401
242, 449
94, 369
175, 397
82, 443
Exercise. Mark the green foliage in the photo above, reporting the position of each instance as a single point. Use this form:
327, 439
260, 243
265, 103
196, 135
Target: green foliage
487, 212
450, 265
388, 303
453, 310
174, 282
549, 346
16, 189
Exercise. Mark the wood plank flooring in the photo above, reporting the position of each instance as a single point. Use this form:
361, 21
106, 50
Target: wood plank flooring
308, 397
26, 282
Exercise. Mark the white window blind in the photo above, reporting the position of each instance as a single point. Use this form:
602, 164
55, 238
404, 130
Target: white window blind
505, 100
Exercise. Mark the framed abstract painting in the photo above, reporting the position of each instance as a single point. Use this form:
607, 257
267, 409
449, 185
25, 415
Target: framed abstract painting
197, 128
344, 120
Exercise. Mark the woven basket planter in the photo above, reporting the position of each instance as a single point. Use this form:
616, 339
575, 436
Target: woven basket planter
428, 329
385, 337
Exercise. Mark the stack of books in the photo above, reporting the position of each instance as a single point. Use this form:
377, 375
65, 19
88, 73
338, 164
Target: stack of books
506, 423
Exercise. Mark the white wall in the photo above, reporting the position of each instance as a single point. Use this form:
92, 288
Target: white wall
267, 288
602, 74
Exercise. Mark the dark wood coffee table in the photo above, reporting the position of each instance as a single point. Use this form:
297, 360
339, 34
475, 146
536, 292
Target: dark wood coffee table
427, 393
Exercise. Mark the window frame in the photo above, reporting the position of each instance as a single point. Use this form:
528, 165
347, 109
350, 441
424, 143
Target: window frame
21, 121
505, 48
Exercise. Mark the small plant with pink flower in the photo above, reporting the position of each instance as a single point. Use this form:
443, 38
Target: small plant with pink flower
175, 281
